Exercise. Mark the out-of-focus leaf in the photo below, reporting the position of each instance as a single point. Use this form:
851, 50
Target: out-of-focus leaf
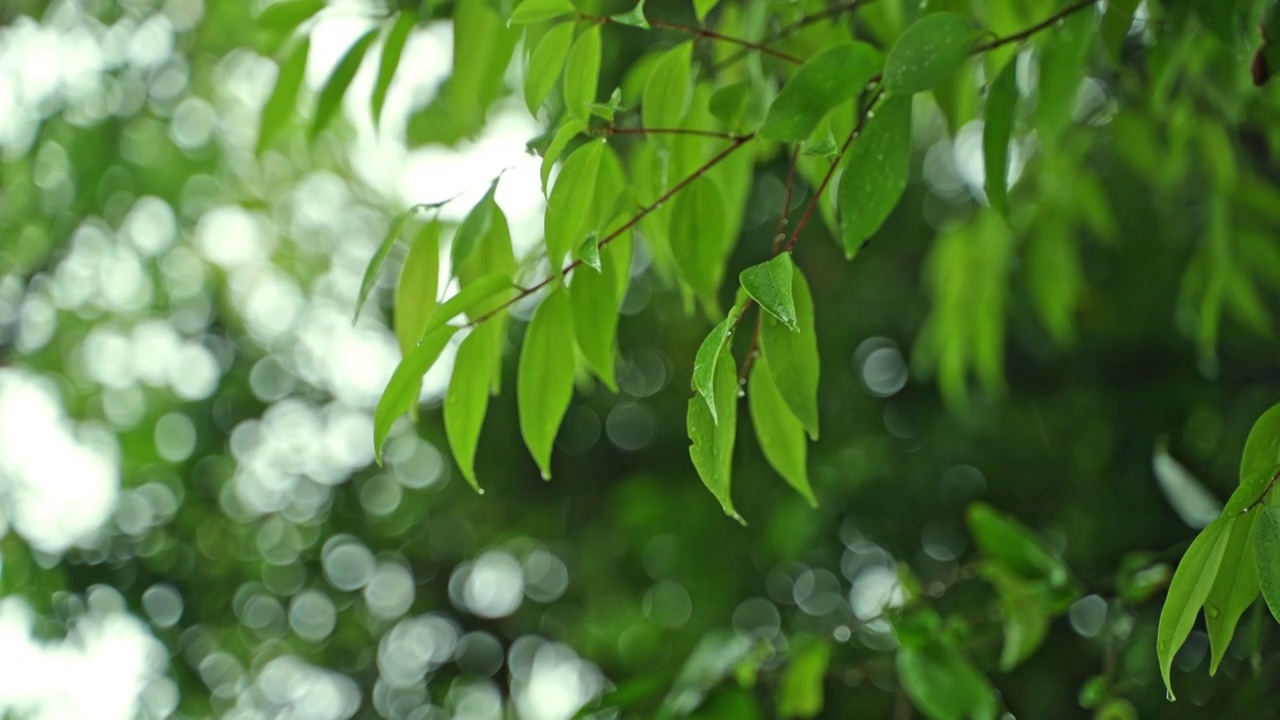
769, 284
392, 50
594, 298
800, 690
466, 400
626, 695
545, 66
535, 11
779, 431
571, 128
1266, 554
667, 92
943, 685
827, 79
1025, 610
928, 52
1116, 24
336, 86
1001, 537
284, 17
569, 204
1061, 72
792, 357
875, 174
633, 17
1234, 589
279, 108
402, 389
703, 8
712, 439
1188, 590
544, 377
419, 283
582, 74
997, 130
710, 663
1117, 709
1190, 499
475, 226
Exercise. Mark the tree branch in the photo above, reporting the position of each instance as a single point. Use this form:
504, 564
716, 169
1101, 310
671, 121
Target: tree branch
1023, 35
794, 27
608, 131
748, 45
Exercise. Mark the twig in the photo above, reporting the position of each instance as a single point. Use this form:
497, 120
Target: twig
708, 34
611, 130
1023, 35
752, 349
794, 27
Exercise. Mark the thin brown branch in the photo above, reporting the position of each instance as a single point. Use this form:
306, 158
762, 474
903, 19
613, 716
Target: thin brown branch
794, 27
1023, 35
635, 220
781, 233
713, 35
607, 131
752, 350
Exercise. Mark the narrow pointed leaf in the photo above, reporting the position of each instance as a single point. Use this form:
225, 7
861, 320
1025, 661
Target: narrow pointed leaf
1017, 548
546, 64
1262, 448
667, 91
997, 130
1188, 591
467, 399
831, 77
1062, 69
571, 128
943, 685
769, 284
335, 87
569, 205
793, 357
928, 52
594, 298
389, 62
534, 11
875, 174
279, 108
1235, 588
544, 378
712, 441
402, 390
703, 8
284, 16
474, 227
380, 256
779, 432
697, 225
476, 293
582, 74
419, 282
704, 364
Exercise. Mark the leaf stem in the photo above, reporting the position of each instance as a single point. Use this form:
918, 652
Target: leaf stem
752, 349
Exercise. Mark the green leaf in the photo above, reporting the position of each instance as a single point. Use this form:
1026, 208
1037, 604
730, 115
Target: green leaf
1262, 449
792, 357
1234, 589
703, 8
283, 17
1003, 538
1189, 589
535, 11
831, 77
545, 66
627, 695
467, 399
712, 661
800, 689
392, 49
279, 108
997, 129
704, 362
402, 389
1266, 555
1117, 709
570, 129
697, 224
943, 685
589, 251
769, 284
336, 86
380, 256
667, 92
633, 17
875, 174
594, 298
544, 377
609, 108
1062, 68
927, 53
569, 205
476, 225
470, 296
582, 74
1025, 609
1115, 25
712, 439
419, 282
780, 433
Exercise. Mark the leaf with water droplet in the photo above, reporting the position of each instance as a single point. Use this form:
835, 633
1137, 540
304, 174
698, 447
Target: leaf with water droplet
712, 439
1234, 589
928, 52
780, 433
1188, 590
769, 284
793, 356
825, 80
875, 173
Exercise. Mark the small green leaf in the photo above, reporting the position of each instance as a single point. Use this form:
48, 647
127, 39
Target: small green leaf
571, 128
780, 433
610, 108
1266, 555
535, 11
402, 390
392, 49
825, 147
569, 205
419, 283
594, 298
943, 685
1234, 589
800, 689
997, 129
633, 17
704, 362
1025, 609
712, 661
475, 226
589, 251
1003, 538
928, 52
336, 86
1062, 69
1188, 590
283, 17
380, 256
831, 77
703, 8
544, 377
792, 357
769, 284
875, 174
467, 399
667, 91
279, 108
582, 74
1262, 449
712, 440
1117, 709
697, 225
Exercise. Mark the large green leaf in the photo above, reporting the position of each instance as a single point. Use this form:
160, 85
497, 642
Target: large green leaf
594, 298
392, 50
667, 91
569, 205
997, 130
1234, 589
792, 357
1189, 589
419, 283
546, 64
800, 689
1262, 449
279, 107
475, 226
928, 52
402, 389
1266, 555
544, 377
713, 438
943, 685
769, 284
697, 224
827, 79
780, 433
335, 87
582, 74
535, 11
875, 173
467, 399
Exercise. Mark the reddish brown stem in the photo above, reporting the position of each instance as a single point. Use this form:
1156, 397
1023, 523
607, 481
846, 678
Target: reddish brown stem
711, 35
606, 132
781, 234
1023, 35
752, 350
788, 30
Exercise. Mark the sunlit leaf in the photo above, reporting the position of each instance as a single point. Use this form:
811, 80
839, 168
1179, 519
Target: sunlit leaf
380, 256
534, 11
826, 80
471, 295
335, 87
569, 204
703, 8
571, 128
582, 73
1234, 589
800, 690
769, 284
477, 224
278, 110
1190, 587
792, 357
713, 438
402, 390
594, 298
544, 377
997, 130
1262, 449
392, 49
667, 92
416, 292
283, 17
545, 66
875, 173
928, 52
633, 17
467, 399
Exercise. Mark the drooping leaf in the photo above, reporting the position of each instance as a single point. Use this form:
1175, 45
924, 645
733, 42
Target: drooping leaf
1001, 537
419, 283
875, 173
712, 440
800, 692
1062, 67
667, 92
827, 79
1266, 555
997, 130
544, 377
535, 11
1234, 589
545, 66
477, 224
633, 17
403, 387
792, 357
482, 290
1188, 591
392, 50
780, 433
928, 52
769, 284
570, 129
1189, 497
705, 361
582, 74
943, 685
380, 256
283, 17
697, 224
594, 298
467, 399
493, 256
335, 87
712, 661
279, 108
1262, 448
569, 204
